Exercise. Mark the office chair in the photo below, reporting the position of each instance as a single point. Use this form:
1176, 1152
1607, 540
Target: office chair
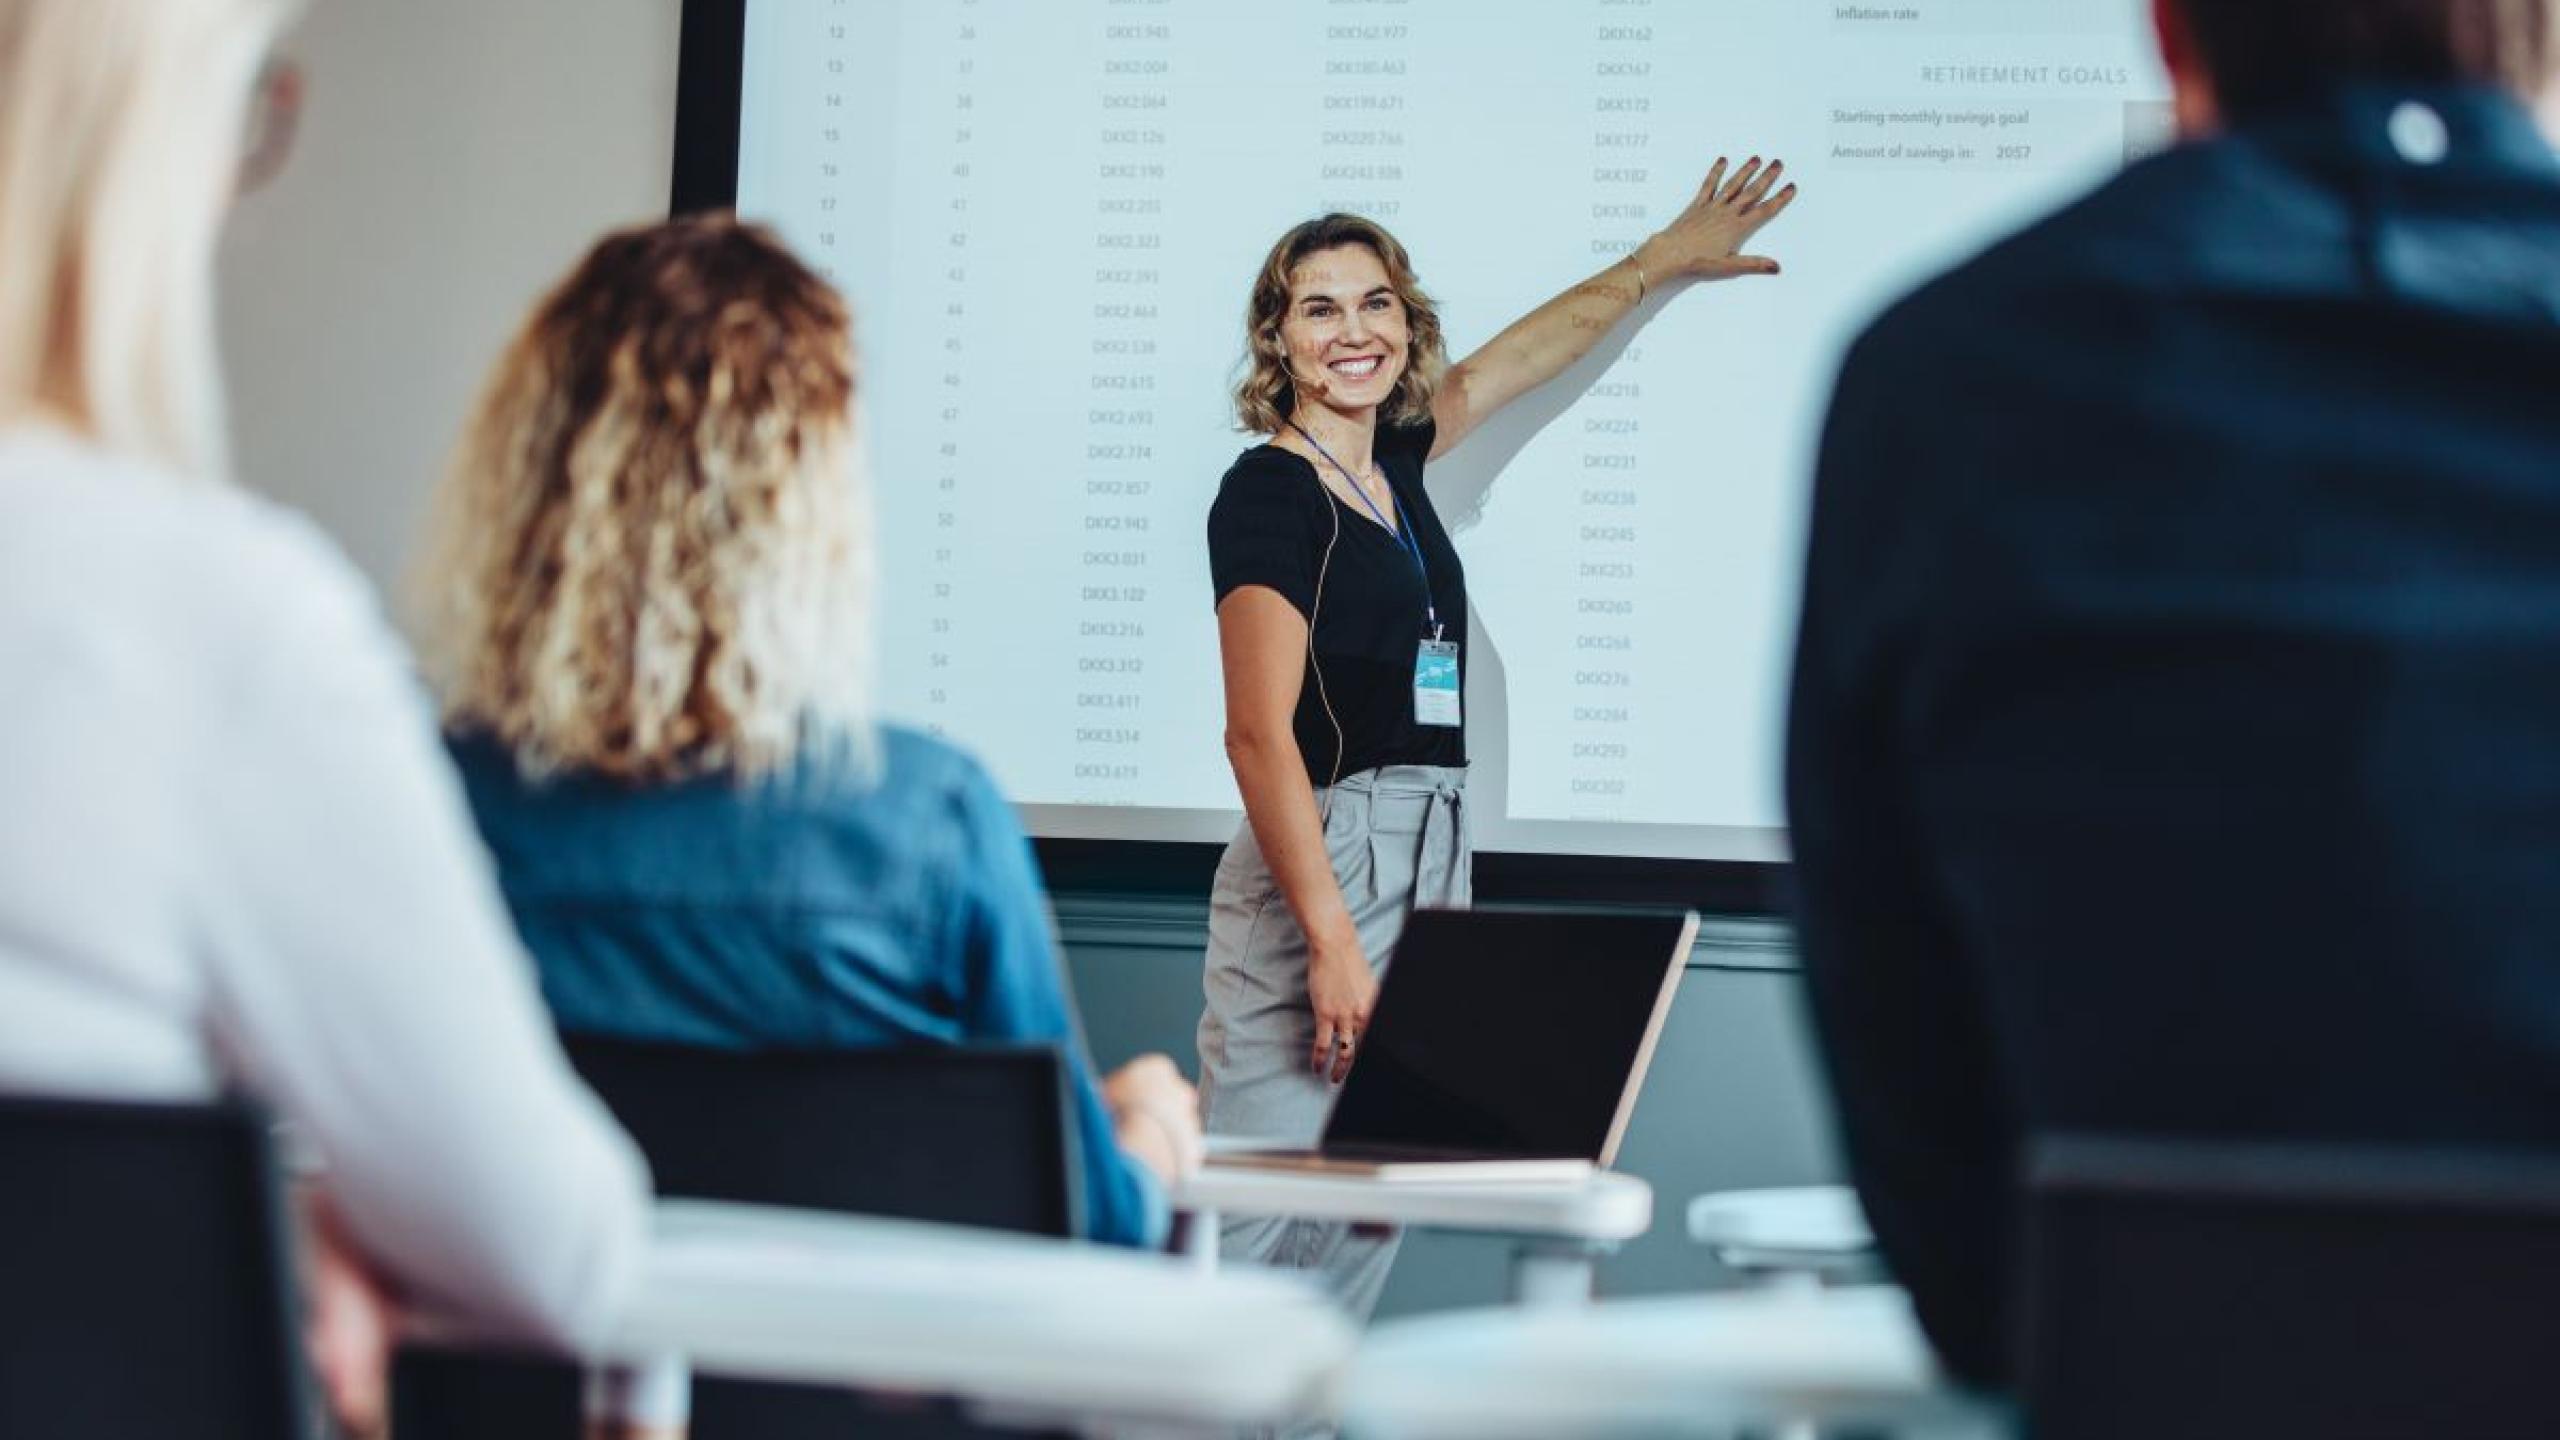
964, 1136
2211, 1289
145, 1286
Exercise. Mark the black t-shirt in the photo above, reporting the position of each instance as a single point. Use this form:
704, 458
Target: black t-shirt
1269, 526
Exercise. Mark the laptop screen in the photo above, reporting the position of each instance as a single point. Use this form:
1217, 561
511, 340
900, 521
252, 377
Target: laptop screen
1507, 1033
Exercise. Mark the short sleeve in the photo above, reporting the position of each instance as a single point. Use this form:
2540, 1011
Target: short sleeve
1408, 445
1260, 533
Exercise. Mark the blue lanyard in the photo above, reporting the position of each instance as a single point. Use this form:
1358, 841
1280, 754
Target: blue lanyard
1403, 528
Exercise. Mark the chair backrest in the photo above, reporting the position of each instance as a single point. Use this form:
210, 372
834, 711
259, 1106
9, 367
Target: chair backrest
966, 1136
2211, 1289
145, 1286
976, 1135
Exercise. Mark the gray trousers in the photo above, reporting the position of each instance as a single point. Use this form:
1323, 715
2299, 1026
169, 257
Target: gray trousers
1398, 839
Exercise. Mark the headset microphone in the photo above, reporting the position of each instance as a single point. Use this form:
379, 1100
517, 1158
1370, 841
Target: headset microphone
1309, 389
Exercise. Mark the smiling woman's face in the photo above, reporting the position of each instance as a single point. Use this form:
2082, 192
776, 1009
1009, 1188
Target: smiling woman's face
1345, 331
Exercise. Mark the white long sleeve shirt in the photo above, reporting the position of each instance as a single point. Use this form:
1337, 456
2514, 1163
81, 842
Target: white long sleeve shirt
232, 856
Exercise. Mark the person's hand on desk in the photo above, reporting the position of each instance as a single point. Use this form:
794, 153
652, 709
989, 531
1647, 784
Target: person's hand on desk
348, 1326
1342, 990
1156, 1116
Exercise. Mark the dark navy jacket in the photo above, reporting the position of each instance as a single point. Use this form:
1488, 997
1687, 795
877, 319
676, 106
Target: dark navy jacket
2175, 744
800, 913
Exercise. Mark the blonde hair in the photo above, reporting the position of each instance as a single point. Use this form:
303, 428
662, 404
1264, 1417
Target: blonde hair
652, 556
121, 127
1267, 396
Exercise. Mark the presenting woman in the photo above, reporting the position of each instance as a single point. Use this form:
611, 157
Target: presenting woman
1342, 627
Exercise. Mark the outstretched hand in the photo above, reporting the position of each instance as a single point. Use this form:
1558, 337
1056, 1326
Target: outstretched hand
1705, 242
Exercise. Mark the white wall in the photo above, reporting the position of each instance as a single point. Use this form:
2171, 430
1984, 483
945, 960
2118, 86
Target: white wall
454, 157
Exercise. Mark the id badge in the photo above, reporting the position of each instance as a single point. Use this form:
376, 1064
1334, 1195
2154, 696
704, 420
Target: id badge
1435, 683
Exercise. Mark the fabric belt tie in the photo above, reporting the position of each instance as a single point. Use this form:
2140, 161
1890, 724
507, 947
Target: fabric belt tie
1444, 833
1442, 850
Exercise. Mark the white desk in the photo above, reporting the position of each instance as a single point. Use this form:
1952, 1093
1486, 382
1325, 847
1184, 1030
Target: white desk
1015, 1328
1813, 1232
1688, 1365
1559, 1229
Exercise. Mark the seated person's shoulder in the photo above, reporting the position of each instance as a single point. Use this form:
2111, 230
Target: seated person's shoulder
262, 564
2138, 236
2207, 212
299, 600
241, 588
193, 531
929, 778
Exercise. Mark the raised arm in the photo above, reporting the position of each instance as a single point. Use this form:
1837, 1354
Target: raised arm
1704, 243
1262, 645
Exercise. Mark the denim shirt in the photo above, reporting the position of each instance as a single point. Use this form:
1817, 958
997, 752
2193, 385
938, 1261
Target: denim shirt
904, 910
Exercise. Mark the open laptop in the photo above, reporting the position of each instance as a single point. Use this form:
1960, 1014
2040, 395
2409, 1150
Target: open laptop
1505, 1045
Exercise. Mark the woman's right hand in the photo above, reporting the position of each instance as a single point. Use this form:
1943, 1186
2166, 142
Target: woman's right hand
1155, 1115
349, 1325
1704, 242
1342, 990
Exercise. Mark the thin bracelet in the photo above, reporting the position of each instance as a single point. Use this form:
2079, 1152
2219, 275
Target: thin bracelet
1643, 285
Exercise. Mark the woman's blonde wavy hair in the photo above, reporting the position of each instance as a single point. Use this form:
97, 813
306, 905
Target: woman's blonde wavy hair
652, 558
1267, 396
